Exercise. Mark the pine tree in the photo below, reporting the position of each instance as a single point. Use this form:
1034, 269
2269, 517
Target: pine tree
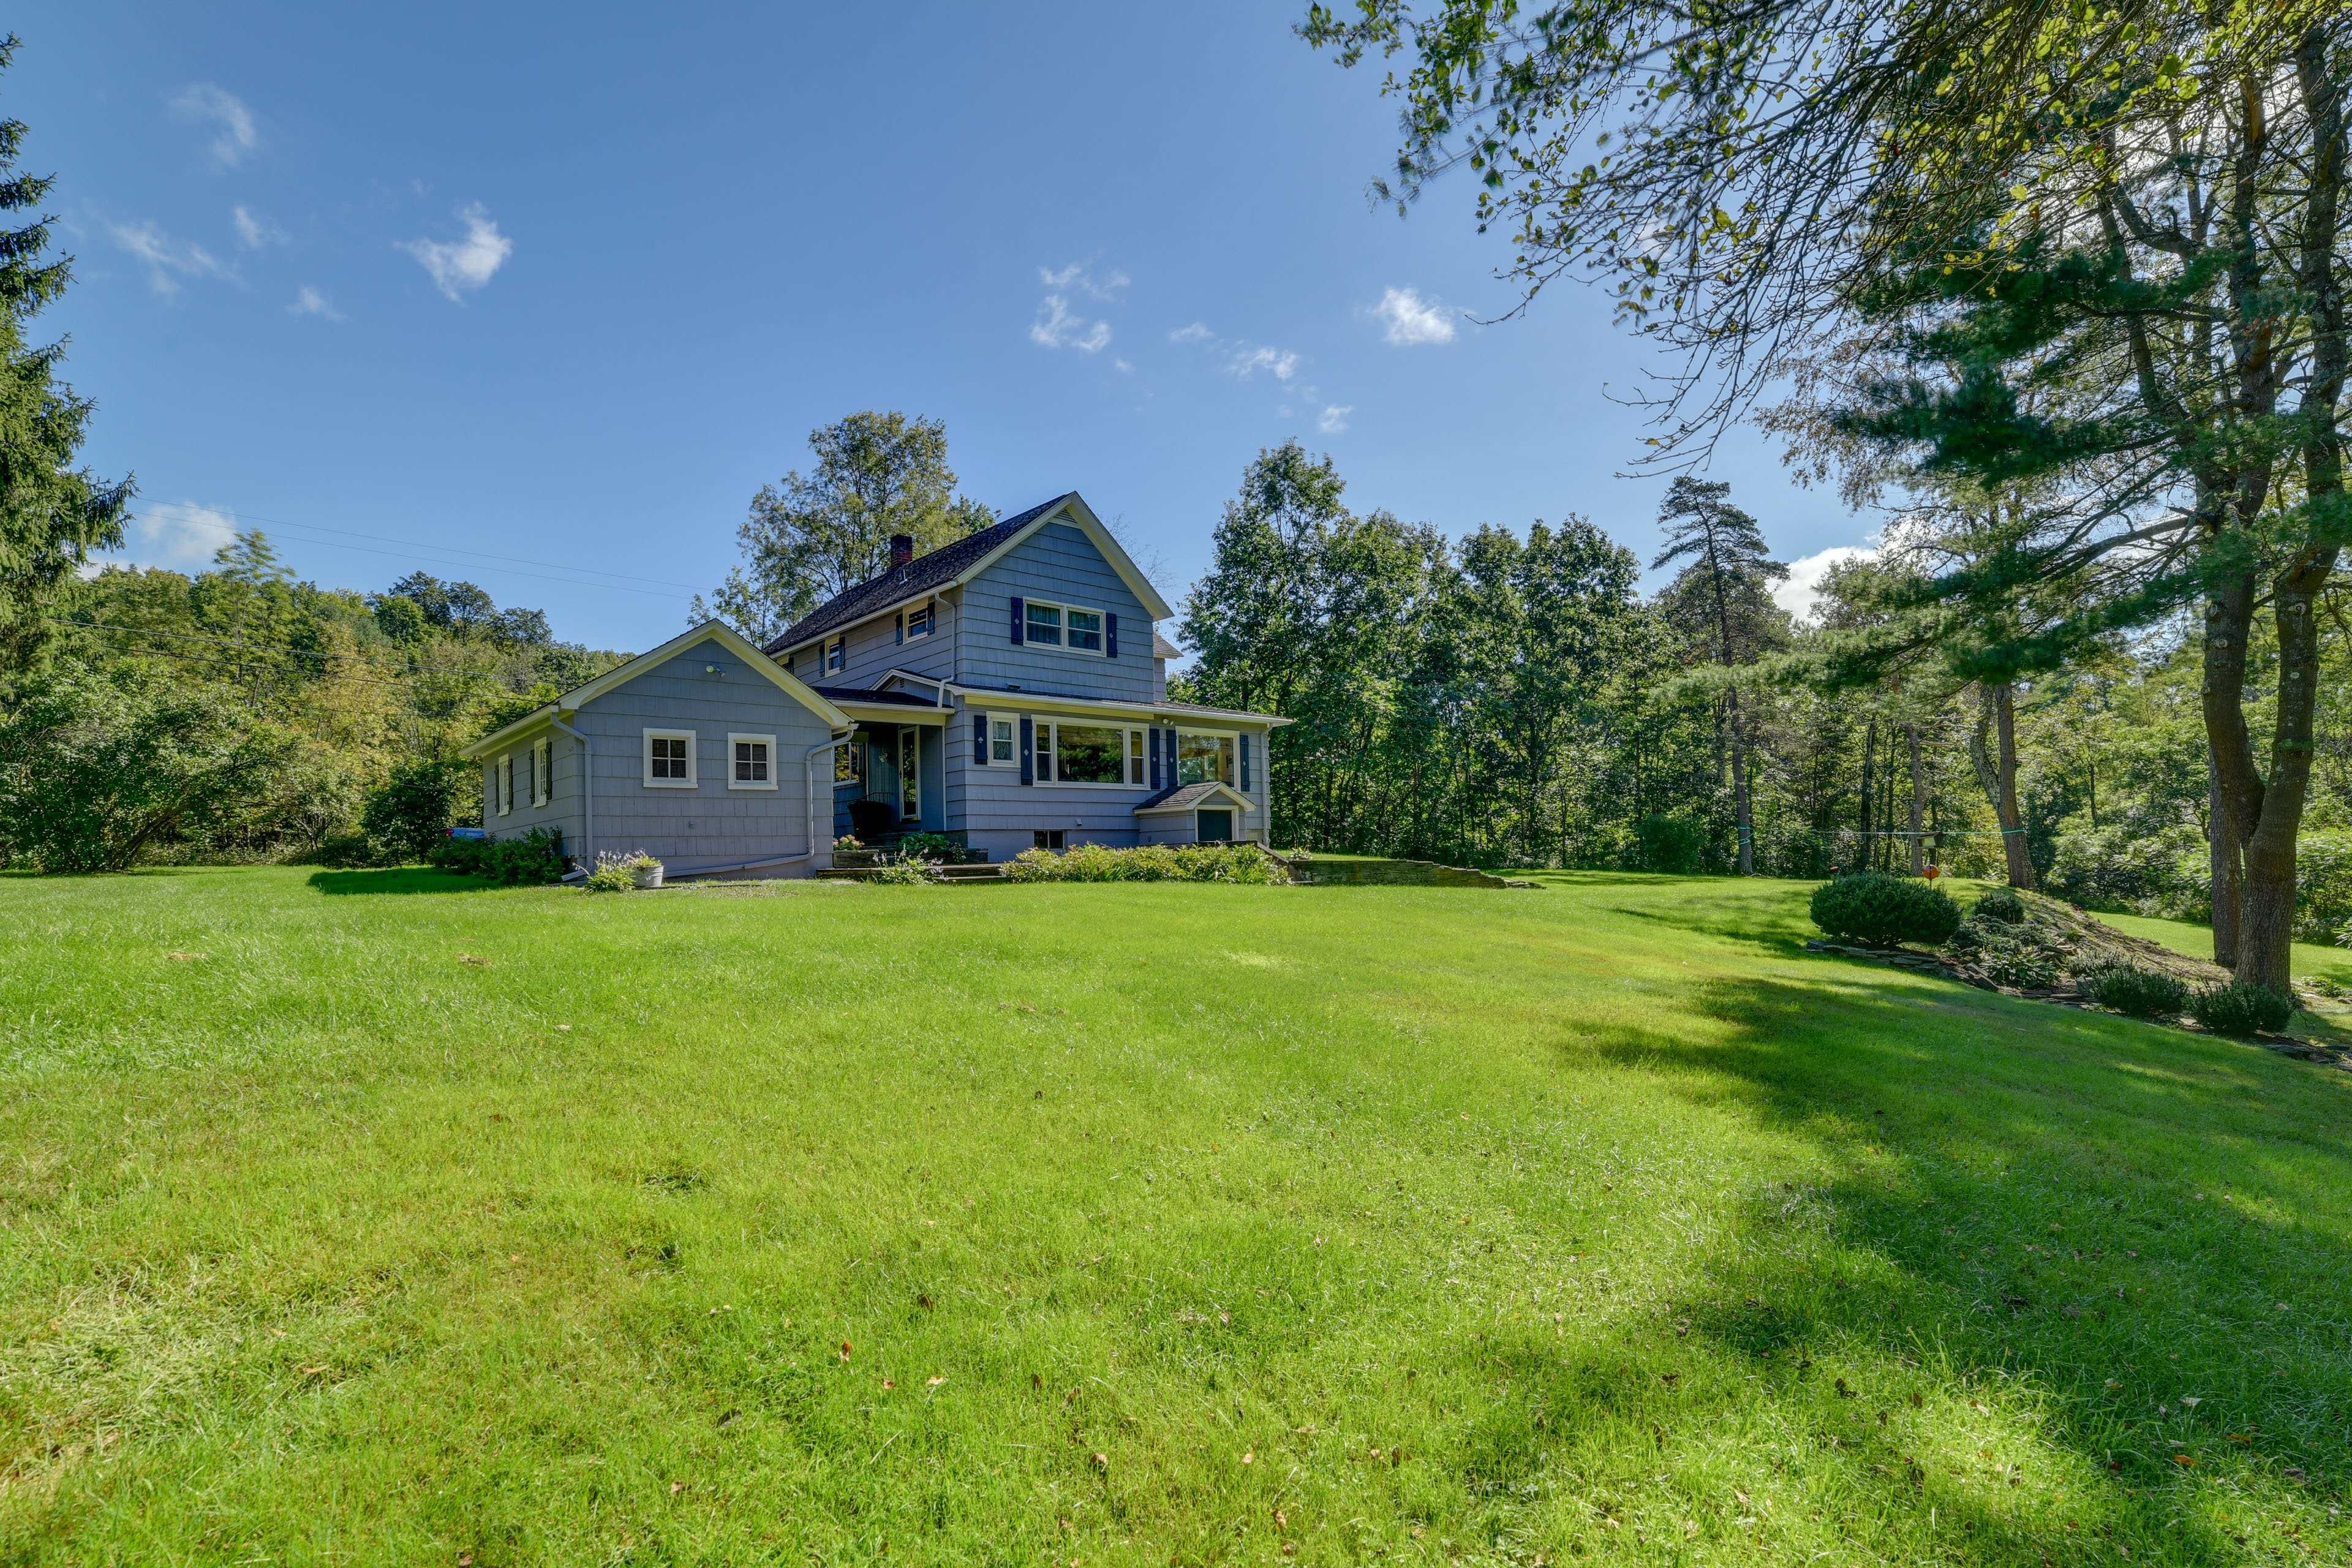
1726, 579
52, 514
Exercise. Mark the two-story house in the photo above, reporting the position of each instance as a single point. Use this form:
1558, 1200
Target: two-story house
1008, 689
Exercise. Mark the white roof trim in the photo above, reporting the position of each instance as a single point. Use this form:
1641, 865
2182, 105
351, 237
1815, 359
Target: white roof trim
1002, 700
622, 674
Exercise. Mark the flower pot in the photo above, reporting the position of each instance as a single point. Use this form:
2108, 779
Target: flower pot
648, 877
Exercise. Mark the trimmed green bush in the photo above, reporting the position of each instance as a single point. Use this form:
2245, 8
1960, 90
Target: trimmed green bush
2142, 992
409, 815
2002, 904
1150, 863
1873, 907
2242, 1008
537, 857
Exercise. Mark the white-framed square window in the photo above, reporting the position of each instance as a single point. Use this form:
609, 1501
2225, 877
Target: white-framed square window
836, 653
920, 620
506, 784
669, 759
1004, 741
751, 762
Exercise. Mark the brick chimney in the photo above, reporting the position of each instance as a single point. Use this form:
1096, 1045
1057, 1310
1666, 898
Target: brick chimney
902, 549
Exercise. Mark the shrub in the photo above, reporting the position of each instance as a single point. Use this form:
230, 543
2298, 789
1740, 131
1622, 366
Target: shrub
340, 850
1873, 907
1670, 843
537, 857
929, 847
905, 871
2240, 1008
2142, 992
2002, 904
1149, 863
95, 767
616, 871
410, 813
2020, 964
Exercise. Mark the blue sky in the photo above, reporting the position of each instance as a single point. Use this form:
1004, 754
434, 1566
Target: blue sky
426, 285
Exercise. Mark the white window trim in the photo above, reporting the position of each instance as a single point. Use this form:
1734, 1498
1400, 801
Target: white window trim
693, 761
832, 646
1126, 762
929, 626
1012, 761
767, 741
504, 785
1064, 646
542, 764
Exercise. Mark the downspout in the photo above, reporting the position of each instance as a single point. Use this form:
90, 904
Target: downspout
808, 764
587, 794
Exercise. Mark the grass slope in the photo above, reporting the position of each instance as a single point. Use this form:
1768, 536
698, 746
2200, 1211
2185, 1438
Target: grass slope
371, 1217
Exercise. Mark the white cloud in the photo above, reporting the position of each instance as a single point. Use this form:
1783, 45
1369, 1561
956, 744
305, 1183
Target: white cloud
1121, 366
234, 134
467, 263
1191, 334
310, 302
165, 257
1800, 595
1057, 327
1335, 419
1248, 363
179, 534
1406, 318
256, 231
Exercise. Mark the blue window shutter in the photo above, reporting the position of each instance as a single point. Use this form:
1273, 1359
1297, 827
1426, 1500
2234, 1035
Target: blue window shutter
1155, 759
1110, 636
898, 631
1020, 609
979, 737
1245, 764
1028, 767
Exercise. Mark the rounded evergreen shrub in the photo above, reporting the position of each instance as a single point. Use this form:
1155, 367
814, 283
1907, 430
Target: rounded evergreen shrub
2240, 1008
2002, 904
2142, 992
1873, 907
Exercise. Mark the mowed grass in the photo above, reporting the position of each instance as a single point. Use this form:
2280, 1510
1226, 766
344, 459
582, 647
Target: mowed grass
373, 1217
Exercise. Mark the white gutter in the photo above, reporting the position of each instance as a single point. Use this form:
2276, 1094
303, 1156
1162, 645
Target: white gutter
587, 793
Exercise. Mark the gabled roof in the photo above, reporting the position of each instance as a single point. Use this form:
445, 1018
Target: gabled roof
1163, 649
621, 674
952, 565
1185, 797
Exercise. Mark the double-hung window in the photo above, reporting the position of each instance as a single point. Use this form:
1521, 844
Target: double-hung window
751, 762
1135, 757
669, 759
836, 653
1045, 627
506, 784
1004, 741
919, 622
543, 778
1065, 625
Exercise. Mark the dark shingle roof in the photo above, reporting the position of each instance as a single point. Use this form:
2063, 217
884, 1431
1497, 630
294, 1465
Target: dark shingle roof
1175, 797
899, 583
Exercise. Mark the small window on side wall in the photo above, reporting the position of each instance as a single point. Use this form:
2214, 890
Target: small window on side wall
751, 762
669, 759
836, 653
918, 623
1047, 838
506, 785
1004, 741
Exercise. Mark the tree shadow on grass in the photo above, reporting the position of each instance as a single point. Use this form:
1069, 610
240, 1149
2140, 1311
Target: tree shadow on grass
2123, 1247
396, 879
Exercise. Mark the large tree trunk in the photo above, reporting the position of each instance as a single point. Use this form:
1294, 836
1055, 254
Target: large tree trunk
1743, 811
2222, 842
2014, 848
1918, 805
1869, 756
2266, 906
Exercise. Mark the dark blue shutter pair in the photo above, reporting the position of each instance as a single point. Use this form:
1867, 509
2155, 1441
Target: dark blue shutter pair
1245, 764
979, 737
1110, 636
1028, 767
1020, 610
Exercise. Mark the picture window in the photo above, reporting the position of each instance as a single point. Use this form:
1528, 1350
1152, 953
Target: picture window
1205, 759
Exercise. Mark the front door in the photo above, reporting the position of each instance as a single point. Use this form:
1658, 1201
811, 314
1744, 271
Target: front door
1214, 827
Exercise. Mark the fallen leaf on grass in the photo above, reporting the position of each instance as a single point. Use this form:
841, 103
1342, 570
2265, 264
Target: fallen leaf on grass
937, 1381
887, 1383
844, 1349
1102, 1461
469, 958
675, 1488
314, 1370
186, 957
1249, 1458
2192, 1401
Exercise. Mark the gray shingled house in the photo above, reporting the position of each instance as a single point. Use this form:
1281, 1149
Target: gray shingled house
1009, 691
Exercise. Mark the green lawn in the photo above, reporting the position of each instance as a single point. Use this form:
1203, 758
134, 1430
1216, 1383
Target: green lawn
371, 1217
